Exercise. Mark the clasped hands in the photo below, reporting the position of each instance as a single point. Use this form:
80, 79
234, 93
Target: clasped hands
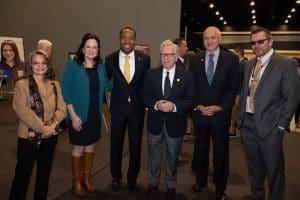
209, 110
165, 106
49, 130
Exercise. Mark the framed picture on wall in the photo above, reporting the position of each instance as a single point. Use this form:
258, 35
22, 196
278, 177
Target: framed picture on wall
19, 43
143, 47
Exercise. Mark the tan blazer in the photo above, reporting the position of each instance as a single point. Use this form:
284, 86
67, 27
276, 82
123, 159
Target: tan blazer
28, 118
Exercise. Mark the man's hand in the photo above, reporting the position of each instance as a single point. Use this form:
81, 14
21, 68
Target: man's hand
165, 106
208, 110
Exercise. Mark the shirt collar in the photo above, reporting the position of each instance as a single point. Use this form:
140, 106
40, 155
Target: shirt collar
267, 56
131, 54
171, 71
216, 52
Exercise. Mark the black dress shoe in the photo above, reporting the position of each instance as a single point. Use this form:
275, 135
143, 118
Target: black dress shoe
220, 196
116, 184
197, 188
152, 191
133, 186
171, 194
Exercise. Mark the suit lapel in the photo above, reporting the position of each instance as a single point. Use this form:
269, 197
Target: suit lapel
138, 64
202, 67
159, 81
176, 81
219, 68
247, 76
116, 65
267, 71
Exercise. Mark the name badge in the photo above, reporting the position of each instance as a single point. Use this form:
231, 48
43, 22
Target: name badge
20, 73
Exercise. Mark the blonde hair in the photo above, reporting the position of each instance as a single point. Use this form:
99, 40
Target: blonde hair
43, 43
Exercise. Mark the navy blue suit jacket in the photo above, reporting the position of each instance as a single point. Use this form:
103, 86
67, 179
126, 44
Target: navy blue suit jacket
225, 83
181, 95
121, 89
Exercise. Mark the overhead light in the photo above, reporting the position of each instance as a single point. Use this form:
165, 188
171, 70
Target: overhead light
221, 18
192, 19
289, 16
254, 21
217, 13
298, 2
293, 10
253, 11
286, 21
253, 17
211, 5
252, 3
224, 22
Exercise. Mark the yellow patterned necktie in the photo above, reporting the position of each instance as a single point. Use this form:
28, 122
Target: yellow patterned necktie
127, 69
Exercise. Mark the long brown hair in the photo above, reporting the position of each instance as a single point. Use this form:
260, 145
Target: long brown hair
17, 60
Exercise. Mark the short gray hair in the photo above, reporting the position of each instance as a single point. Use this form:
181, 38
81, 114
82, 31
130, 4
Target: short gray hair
168, 42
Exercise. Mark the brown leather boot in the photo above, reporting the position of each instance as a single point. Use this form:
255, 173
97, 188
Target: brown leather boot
88, 159
76, 169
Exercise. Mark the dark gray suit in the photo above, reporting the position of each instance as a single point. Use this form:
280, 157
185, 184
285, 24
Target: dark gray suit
275, 100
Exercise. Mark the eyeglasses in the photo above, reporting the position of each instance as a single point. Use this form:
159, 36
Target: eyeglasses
167, 55
258, 41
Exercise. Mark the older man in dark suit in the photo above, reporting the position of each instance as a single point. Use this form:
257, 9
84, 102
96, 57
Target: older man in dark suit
168, 94
127, 67
216, 74
268, 100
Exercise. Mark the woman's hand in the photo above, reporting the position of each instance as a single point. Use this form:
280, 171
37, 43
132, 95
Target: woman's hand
48, 131
76, 122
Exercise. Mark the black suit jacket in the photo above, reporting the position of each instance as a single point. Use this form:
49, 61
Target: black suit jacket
225, 83
181, 95
122, 91
180, 63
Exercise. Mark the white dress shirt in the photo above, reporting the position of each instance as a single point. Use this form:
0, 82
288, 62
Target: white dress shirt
131, 60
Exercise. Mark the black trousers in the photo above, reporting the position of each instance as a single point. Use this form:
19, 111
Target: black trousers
27, 154
216, 128
297, 113
134, 120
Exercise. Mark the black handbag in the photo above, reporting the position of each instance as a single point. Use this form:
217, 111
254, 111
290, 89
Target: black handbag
63, 125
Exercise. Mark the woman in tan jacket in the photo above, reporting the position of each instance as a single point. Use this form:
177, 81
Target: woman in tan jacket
39, 104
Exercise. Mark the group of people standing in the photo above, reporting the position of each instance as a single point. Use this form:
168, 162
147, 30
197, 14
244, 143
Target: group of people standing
207, 89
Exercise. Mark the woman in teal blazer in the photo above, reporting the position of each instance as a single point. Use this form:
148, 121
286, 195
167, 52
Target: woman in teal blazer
83, 86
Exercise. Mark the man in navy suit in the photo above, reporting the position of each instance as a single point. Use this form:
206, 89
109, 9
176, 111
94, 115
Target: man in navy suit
168, 94
216, 74
127, 67
270, 94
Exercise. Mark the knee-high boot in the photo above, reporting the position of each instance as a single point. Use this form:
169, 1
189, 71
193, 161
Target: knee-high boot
88, 159
77, 169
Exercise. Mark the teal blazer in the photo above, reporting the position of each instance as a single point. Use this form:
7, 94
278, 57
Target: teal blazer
75, 88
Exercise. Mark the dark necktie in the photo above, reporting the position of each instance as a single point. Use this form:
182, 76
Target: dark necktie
167, 87
210, 69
